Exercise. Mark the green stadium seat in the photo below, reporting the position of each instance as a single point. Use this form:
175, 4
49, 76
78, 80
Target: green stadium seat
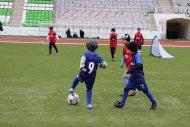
34, 17
40, 1
6, 0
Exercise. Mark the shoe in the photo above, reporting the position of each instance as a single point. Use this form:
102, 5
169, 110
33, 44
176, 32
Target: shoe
118, 104
133, 94
89, 106
153, 106
57, 53
71, 90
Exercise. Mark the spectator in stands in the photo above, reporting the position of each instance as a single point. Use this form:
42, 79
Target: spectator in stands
81, 33
1, 26
139, 39
52, 39
68, 33
113, 43
75, 35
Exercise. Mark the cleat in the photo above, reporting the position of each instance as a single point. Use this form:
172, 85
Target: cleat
133, 94
153, 106
89, 106
71, 90
118, 104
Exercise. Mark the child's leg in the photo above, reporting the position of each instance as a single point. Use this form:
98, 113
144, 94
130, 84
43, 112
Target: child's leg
55, 47
112, 51
50, 47
149, 95
74, 84
124, 97
89, 87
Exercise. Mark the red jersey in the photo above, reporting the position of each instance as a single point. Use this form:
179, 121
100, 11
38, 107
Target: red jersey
52, 36
128, 57
113, 39
138, 38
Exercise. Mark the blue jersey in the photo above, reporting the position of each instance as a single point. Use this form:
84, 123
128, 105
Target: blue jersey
137, 75
91, 62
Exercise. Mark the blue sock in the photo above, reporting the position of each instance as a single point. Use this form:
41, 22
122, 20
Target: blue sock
75, 83
89, 97
124, 97
151, 98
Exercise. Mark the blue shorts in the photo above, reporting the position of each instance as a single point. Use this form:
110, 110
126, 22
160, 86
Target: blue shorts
141, 86
89, 81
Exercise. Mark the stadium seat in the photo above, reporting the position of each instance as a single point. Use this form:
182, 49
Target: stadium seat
5, 10
37, 11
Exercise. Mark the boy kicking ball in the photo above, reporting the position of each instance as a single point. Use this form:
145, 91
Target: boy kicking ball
136, 79
88, 66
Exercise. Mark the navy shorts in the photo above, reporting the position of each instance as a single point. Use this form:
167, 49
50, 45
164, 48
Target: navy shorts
89, 81
141, 86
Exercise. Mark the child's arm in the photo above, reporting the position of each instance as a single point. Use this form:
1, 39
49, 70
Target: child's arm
138, 66
57, 37
103, 65
47, 37
82, 64
122, 62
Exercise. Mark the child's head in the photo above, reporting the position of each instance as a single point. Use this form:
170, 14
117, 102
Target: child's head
92, 46
113, 30
126, 39
51, 28
138, 29
132, 47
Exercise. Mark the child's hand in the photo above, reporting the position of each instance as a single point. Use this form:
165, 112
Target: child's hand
83, 69
121, 65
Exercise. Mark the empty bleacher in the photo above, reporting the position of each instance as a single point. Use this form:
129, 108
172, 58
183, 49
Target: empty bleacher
104, 12
5, 10
36, 11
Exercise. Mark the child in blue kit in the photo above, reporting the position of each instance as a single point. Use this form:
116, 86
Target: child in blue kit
88, 66
136, 79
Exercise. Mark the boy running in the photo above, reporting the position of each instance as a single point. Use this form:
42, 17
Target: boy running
126, 58
136, 79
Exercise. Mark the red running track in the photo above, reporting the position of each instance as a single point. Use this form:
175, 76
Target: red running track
82, 41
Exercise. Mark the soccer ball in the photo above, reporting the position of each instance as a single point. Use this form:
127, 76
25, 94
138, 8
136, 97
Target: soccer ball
73, 98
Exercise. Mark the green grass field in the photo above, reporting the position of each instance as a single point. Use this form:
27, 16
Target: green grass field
34, 87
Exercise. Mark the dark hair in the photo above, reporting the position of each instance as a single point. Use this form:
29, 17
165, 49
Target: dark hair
113, 30
126, 37
138, 28
51, 27
132, 46
92, 46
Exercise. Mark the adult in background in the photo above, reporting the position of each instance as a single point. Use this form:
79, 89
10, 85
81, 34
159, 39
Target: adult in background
75, 35
68, 33
52, 36
113, 43
81, 33
139, 39
1, 26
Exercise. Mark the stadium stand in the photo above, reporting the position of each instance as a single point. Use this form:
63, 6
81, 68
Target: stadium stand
5, 10
36, 11
102, 12
95, 17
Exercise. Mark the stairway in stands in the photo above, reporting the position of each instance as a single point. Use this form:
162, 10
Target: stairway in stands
16, 17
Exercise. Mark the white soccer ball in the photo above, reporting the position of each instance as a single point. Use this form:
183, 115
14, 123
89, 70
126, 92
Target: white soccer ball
73, 98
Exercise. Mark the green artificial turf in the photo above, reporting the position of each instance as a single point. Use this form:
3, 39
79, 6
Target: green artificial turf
34, 87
